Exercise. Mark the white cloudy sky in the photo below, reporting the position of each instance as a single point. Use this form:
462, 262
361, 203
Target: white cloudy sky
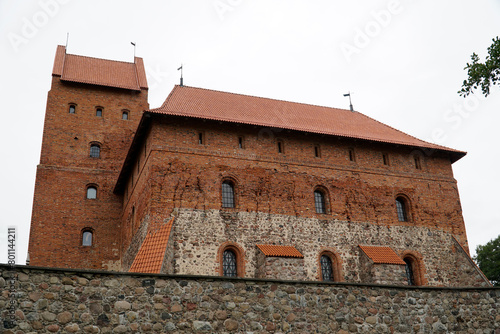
402, 59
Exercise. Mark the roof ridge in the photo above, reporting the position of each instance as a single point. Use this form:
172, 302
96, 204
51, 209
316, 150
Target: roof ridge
116, 61
259, 97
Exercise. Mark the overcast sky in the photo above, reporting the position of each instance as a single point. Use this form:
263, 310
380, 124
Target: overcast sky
402, 60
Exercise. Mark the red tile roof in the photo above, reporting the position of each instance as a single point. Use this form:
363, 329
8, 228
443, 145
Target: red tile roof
281, 251
380, 254
100, 72
149, 258
237, 108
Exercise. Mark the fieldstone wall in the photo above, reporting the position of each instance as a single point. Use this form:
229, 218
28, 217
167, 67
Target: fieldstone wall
47, 300
279, 267
198, 234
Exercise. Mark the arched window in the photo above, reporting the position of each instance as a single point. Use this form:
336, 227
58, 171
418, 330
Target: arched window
87, 237
414, 268
402, 209
326, 268
95, 150
228, 194
230, 258
320, 200
72, 108
329, 266
409, 271
98, 112
229, 264
125, 114
91, 192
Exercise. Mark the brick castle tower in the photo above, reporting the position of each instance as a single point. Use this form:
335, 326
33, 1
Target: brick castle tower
93, 109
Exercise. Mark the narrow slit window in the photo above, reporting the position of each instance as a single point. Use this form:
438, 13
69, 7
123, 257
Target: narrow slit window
418, 164
317, 151
352, 157
385, 159
240, 142
280, 147
201, 140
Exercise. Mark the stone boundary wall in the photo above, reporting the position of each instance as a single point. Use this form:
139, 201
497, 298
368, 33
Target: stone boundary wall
49, 300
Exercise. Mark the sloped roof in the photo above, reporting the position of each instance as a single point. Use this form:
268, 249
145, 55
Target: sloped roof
280, 251
149, 258
100, 72
382, 255
244, 109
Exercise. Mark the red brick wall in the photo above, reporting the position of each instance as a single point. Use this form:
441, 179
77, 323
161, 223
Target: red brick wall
185, 174
60, 207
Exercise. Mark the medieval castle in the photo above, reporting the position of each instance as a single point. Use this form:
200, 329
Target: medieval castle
215, 183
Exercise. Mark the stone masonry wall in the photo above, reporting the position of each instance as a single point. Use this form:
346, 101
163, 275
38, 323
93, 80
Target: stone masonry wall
198, 234
273, 267
49, 300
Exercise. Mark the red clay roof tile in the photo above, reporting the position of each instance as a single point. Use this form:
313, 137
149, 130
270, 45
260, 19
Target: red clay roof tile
280, 251
149, 258
380, 254
100, 72
222, 106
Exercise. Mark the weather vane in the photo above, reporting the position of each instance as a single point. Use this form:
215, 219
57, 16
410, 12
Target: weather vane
350, 103
180, 68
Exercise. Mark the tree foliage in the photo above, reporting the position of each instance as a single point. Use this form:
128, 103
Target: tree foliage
488, 259
485, 74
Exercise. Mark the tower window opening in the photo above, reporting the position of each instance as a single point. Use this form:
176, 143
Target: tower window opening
87, 238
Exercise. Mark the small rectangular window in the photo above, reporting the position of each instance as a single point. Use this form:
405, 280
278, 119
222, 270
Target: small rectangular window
280, 147
201, 139
72, 109
352, 156
240, 142
385, 158
317, 151
417, 163
98, 112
